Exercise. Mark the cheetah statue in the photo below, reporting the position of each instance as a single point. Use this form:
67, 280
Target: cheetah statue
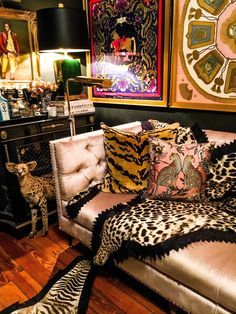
35, 190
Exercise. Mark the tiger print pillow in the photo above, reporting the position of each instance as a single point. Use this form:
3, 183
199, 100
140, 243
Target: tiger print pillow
184, 135
127, 157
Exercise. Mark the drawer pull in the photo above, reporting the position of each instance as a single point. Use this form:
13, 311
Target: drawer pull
52, 126
3, 135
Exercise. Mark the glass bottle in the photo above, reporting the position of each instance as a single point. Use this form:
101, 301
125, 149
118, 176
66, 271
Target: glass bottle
4, 110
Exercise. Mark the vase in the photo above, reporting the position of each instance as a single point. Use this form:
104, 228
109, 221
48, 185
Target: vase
45, 101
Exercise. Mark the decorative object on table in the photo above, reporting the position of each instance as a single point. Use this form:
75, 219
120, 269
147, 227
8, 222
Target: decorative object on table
130, 48
4, 110
25, 66
20, 109
57, 295
18, 106
65, 69
204, 55
42, 93
35, 190
52, 110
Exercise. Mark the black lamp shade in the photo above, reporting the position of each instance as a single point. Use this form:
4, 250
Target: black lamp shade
62, 28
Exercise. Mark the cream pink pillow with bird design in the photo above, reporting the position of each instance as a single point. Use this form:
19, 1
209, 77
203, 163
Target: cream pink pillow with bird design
178, 171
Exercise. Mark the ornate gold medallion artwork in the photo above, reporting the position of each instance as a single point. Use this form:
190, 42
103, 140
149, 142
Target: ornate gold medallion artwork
204, 71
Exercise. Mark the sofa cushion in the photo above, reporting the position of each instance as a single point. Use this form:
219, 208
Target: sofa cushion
220, 137
207, 268
127, 157
177, 171
102, 201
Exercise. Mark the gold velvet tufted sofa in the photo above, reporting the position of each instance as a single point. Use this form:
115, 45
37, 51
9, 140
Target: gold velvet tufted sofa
200, 278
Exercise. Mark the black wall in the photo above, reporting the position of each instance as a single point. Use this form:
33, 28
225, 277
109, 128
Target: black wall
114, 115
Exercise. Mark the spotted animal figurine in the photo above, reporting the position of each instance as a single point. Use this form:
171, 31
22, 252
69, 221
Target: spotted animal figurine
35, 190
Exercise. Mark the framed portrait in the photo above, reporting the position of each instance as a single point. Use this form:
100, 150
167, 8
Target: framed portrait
130, 45
203, 74
18, 47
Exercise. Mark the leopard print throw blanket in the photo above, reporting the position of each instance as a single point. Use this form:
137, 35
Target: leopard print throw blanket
146, 227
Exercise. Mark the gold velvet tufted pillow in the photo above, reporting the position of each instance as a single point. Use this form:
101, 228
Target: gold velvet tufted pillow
127, 157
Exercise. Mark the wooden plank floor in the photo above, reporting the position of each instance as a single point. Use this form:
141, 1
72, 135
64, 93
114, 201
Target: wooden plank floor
27, 264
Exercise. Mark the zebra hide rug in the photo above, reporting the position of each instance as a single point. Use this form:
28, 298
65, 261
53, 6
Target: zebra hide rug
67, 292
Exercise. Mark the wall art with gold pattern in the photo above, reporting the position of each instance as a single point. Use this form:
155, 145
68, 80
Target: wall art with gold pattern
204, 55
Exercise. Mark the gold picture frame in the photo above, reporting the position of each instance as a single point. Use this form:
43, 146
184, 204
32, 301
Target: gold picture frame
24, 29
138, 68
203, 62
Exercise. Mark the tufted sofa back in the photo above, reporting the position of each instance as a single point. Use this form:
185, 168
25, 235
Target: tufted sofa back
79, 162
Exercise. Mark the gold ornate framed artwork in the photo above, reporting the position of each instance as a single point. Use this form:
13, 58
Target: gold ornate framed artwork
129, 45
203, 74
18, 47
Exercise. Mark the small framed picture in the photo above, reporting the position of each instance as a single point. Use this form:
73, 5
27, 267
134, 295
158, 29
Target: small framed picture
18, 46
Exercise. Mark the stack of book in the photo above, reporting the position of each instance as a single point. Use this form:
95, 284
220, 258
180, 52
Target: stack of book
77, 107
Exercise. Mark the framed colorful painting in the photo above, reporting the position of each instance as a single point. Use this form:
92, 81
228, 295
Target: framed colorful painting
203, 72
18, 47
129, 45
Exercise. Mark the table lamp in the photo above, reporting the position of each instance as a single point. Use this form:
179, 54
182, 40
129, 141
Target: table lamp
65, 30
62, 30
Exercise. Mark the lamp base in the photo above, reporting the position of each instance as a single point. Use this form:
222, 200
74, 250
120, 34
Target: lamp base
71, 120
